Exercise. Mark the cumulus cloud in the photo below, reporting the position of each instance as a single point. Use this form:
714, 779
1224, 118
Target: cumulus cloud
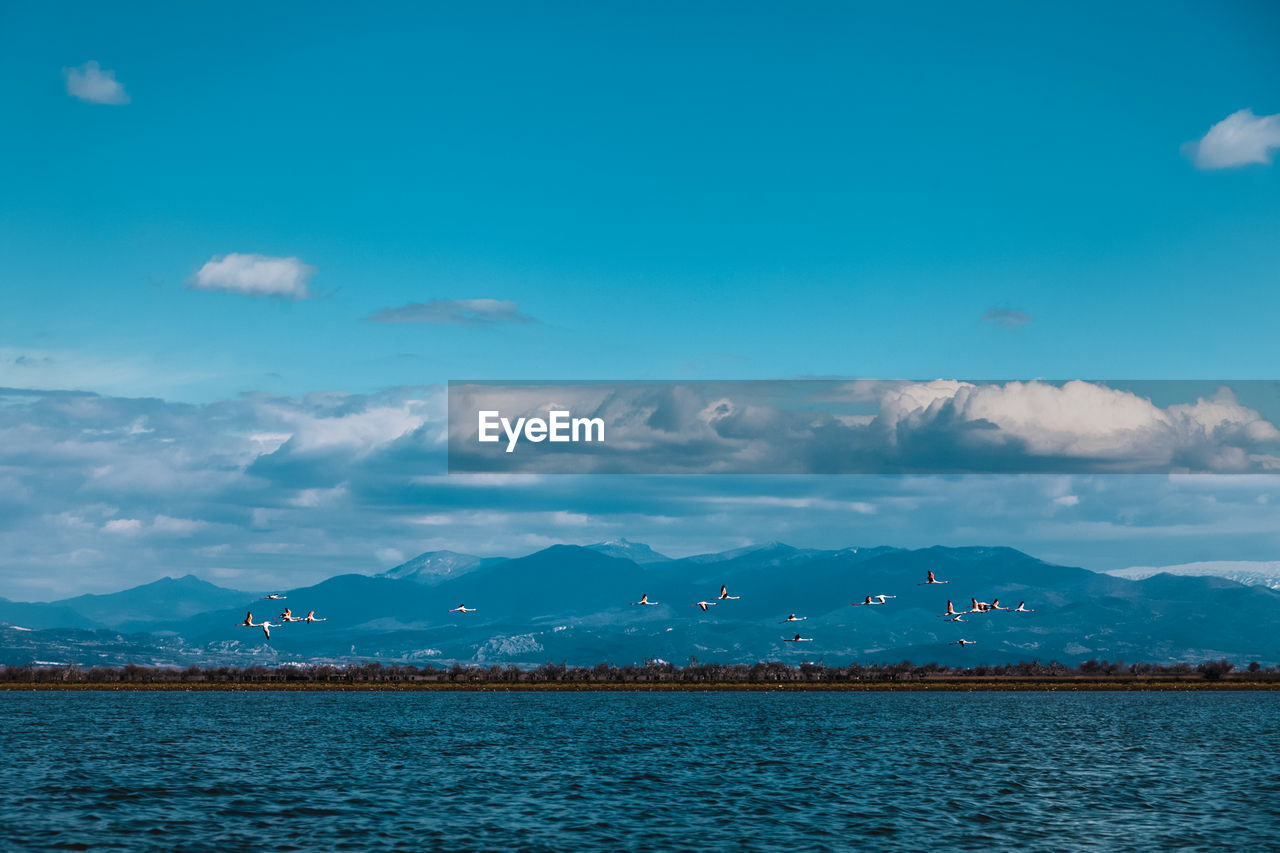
255, 275
1240, 139
1006, 317
91, 83
454, 312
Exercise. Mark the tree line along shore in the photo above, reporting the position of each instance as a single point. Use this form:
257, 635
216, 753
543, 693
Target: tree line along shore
1091, 675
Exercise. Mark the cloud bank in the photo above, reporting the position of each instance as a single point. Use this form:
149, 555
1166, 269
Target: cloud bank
943, 426
98, 493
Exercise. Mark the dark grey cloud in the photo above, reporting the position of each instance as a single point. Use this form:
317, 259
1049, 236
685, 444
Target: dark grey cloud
1006, 317
454, 312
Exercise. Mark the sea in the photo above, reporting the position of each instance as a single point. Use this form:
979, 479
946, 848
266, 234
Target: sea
639, 771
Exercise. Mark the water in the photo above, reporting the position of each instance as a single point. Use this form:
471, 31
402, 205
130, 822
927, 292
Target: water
711, 771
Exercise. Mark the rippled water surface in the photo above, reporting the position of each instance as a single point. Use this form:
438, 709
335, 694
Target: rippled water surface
727, 771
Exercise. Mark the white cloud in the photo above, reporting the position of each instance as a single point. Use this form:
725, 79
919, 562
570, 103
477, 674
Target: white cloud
1240, 139
1067, 500
1083, 420
90, 83
123, 526
255, 275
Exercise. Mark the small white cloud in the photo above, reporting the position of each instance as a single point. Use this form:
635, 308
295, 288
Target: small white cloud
123, 526
1240, 139
255, 275
90, 83
1067, 500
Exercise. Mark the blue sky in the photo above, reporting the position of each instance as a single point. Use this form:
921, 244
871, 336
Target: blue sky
668, 191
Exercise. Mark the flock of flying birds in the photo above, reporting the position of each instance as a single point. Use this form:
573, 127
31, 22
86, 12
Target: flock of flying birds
952, 615
286, 617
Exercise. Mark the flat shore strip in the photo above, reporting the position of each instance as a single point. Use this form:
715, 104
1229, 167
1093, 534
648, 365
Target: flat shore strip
953, 686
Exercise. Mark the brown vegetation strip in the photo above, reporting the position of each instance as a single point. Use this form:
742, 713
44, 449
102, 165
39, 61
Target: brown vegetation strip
965, 685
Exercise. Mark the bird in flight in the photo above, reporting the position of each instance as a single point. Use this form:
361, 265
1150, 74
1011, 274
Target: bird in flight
793, 618
1022, 608
703, 604
931, 579
310, 617
873, 599
249, 623
462, 608
724, 594
951, 613
275, 596
644, 599
962, 643
798, 639
287, 616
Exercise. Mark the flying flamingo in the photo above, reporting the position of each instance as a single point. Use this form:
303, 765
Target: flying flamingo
951, 613
1022, 608
704, 605
287, 616
962, 643
995, 604
724, 594
275, 596
462, 608
644, 599
249, 623
931, 579
868, 600
793, 618
310, 617
978, 606
798, 639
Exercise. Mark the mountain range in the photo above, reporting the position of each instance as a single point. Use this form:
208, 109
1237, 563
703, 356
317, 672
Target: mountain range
573, 604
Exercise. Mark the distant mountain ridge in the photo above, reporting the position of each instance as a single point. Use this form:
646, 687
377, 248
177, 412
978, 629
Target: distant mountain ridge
435, 566
1243, 572
637, 552
580, 605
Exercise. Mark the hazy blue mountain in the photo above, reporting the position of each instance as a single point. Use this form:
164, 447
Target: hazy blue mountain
574, 604
636, 552
434, 566
160, 601
39, 614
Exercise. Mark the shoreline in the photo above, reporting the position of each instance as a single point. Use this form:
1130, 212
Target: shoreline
950, 686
